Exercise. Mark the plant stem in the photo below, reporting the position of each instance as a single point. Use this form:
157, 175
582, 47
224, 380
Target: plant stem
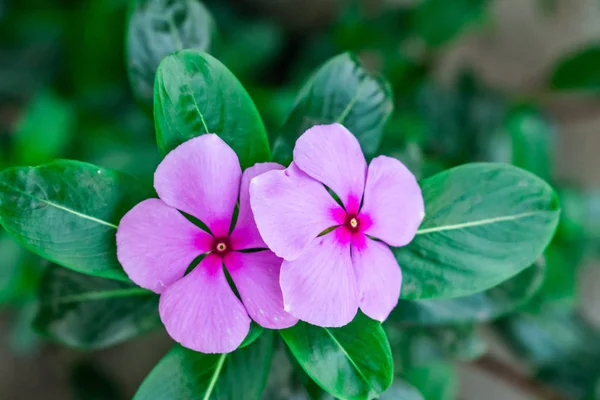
516, 379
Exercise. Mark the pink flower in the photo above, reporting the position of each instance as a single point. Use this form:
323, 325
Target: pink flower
156, 244
332, 265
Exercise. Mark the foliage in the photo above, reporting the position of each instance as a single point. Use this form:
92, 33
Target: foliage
117, 84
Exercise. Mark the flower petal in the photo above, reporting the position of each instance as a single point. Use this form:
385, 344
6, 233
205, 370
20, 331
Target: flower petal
393, 202
245, 235
156, 244
290, 209
379, 278
256, 277
332, 155
201, 311
320, 286
201, 177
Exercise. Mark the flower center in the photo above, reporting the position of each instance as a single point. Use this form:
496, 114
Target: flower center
352, 222
221, 246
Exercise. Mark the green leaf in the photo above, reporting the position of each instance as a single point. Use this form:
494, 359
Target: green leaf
578, 71
352, 362
439, 21
68, 212
185, 374
195, 94
158, 28
478, 307
87, 312
340, 91
401, 390
254, 333
438, 381
484, 223
561, 346
45, 130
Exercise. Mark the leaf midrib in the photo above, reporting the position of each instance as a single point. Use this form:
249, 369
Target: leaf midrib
213, 380
67, 209
486, 221
350, 359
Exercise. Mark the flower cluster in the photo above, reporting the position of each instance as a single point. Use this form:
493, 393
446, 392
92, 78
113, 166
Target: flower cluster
310, 242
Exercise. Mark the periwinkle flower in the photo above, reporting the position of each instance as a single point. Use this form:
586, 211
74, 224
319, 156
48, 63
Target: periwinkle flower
335, 256
156, 244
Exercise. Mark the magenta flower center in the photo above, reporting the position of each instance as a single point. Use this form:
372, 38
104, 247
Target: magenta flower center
352, 222
221, 246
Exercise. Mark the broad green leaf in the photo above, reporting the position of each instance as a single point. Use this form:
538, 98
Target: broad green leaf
308, 386
401, 390
352, 362
195, 94
68, 212
88, 312
437, 381
533, 140
578, 71
478, 307
418, 346
45, 130
484, 223
158, 28
340, 91
561, 346
186, 374
439, 21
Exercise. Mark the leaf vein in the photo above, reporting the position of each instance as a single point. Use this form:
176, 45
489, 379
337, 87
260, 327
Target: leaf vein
349, 359
69, 210
480, 222
213, 379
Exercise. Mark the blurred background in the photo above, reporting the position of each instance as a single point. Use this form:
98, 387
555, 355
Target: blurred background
515, 81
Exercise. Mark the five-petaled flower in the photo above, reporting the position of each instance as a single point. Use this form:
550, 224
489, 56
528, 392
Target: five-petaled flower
332, 265
156, 244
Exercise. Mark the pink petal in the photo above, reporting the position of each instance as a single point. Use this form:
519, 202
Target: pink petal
290, 209
393, 202
379, 278
156, 244
256, 277
320, 286
245, 235
202, 178
332, 155
201, 311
